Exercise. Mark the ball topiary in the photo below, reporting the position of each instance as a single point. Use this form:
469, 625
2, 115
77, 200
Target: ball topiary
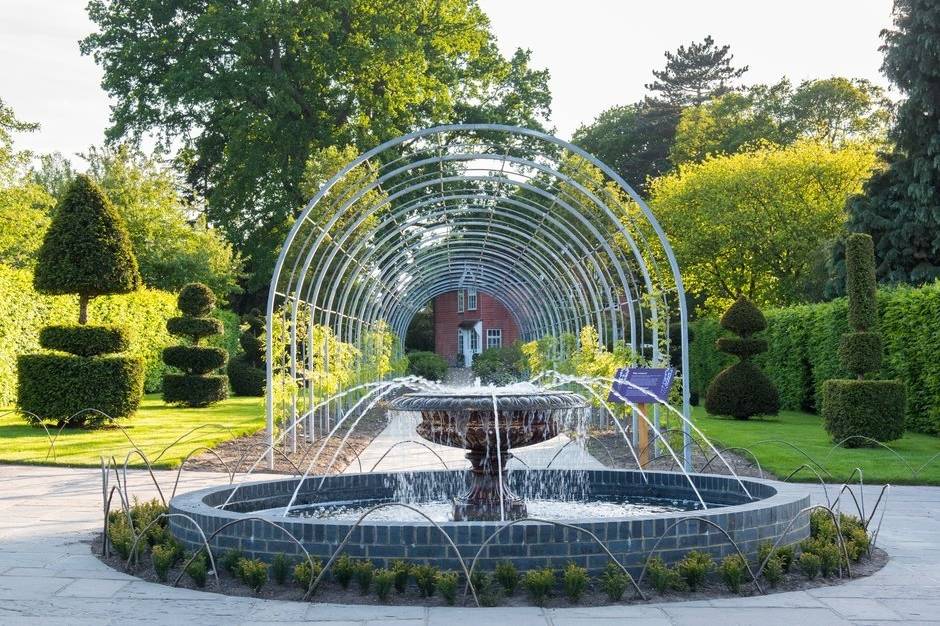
742, 390
195, 387
86, 251
196, 300
246, 371
858, 410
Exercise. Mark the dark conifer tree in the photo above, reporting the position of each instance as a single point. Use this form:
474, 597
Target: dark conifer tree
900, 206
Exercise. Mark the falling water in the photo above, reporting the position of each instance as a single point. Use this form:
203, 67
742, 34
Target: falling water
499, 458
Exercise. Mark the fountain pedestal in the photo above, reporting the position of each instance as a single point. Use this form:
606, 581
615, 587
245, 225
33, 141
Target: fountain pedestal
481, 501
483, 423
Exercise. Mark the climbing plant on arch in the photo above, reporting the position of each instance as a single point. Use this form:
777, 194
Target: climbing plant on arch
537, 223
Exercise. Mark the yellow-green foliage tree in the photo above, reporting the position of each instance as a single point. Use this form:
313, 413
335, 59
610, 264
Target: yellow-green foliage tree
759, 223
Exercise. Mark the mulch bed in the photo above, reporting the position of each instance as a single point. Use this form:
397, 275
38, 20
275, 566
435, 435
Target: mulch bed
609, 447
331, 592
241, 452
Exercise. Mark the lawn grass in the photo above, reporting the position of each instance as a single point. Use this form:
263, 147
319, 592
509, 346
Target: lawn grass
806, 432
155, 426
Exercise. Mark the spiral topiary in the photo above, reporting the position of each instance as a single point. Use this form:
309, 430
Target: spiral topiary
742, 390
859, 409
246, 371
196, 386
86, 252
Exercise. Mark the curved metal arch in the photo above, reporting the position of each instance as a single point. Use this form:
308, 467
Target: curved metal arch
545, 260
371, 302
312, 296
555, 199
494, 224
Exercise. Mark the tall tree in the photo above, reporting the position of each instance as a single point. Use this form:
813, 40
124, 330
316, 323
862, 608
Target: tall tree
900, 207
24, 206
635, 139
632, 139
754, 223
695, 73
11, 159
830, 111
252, 89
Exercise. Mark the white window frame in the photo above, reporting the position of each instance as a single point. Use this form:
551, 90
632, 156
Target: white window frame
471, 299
459, 341
474, 342
460, 301
494, 338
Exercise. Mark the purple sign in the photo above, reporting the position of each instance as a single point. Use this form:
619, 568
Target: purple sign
652, 381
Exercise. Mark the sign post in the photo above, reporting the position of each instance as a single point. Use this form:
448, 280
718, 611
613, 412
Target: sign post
640, 388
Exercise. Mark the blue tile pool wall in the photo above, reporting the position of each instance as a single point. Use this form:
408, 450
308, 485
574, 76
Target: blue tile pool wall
528, 544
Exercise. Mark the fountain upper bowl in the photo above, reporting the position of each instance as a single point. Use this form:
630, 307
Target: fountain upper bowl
466, 420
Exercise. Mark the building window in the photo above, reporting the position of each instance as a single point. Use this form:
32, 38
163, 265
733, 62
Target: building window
494, 337
474, 342
459, 342
471, 299
460, 301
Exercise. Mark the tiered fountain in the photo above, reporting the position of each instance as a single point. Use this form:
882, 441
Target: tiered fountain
489, 426
630, 511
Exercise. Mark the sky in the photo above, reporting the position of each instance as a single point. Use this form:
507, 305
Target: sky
600, 52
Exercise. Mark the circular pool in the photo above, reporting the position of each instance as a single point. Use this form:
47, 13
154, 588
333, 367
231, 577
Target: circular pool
253, 519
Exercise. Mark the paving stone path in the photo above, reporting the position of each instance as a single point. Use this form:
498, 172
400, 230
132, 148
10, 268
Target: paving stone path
49, 576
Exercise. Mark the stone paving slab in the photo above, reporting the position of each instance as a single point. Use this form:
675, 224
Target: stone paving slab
47, 573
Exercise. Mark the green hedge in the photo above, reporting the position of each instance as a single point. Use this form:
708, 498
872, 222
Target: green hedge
23, 313
111, 383
803, 351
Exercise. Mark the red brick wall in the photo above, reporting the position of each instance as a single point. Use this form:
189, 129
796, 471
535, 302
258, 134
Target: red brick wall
446, 321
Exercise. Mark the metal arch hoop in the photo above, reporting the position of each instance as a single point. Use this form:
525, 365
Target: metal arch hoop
588, 249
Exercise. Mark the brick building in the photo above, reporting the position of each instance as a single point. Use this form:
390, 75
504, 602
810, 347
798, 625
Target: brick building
466, 322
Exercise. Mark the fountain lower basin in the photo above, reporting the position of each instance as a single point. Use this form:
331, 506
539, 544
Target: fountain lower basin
246, 522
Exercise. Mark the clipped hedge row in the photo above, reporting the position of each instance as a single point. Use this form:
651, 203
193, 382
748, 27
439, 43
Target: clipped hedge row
23, 313
803, 351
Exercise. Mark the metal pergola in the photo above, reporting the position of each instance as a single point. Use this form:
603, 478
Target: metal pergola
537, 223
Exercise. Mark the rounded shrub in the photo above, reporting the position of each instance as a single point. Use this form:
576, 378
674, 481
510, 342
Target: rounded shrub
427, 365
194, 328
194, 390
499, 366
195, 387
194, 359
196, 300
84, 340
56, 387
742, 390
246, 371
246, 380
862, 408
743, 318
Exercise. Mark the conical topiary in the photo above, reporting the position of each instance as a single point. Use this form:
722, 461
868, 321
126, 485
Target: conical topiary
196, 386
86, 252
246, 371
742, 390
859, 410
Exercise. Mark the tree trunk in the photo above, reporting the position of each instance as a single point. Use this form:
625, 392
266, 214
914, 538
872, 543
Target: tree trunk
83, 308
